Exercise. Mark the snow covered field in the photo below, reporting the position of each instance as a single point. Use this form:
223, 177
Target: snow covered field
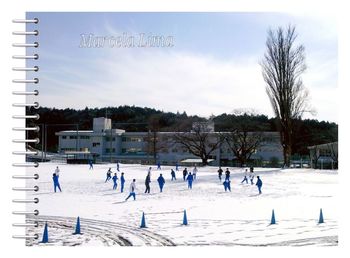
215, 217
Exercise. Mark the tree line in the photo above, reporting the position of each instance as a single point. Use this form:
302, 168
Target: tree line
137, 119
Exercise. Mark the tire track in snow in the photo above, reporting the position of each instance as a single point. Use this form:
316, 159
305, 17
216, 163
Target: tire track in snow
110, 233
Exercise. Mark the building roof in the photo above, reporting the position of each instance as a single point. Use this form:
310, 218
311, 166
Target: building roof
324, 145
91, 133
194, 160
74, 131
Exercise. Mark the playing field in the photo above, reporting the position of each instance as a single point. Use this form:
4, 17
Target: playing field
215, 217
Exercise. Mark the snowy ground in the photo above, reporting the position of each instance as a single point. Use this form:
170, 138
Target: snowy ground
215, 217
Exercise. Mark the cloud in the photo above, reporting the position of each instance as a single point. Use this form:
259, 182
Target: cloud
173, 80
166, 80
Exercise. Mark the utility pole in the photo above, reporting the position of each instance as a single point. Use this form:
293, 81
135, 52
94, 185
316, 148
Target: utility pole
45, 139
42, 141
110, 145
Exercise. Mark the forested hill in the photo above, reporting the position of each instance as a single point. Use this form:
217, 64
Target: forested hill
132, 118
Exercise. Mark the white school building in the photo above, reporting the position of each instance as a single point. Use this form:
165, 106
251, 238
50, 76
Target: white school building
106, 144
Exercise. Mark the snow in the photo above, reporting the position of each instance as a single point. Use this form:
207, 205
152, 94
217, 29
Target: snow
215, 217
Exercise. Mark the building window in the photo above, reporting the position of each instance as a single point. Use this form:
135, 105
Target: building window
108, 139
95, 144
132, 151
132, 139
67, 149
64, 137
73, 137
108, 150
84, 137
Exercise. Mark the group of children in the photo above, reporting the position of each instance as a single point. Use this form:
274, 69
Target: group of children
187, 176
115, 179
250, 175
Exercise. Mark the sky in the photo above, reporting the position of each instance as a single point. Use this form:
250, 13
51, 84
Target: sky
208, 64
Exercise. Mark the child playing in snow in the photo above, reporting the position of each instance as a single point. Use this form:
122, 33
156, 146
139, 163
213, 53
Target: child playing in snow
132, 190
122, 182
190, 180
115, 178
184, 174
173, 175
109, 175
245, 179
194, 172
161, 182
259, 184
56, 183
147, 182
227, 174
251, 176
220, 173
57, 172
227, 185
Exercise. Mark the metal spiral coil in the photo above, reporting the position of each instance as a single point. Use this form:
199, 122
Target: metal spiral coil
34, 105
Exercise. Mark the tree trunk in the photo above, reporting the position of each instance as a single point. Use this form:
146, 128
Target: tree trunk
287, 153
205, 161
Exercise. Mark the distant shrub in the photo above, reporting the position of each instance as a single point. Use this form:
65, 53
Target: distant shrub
274, 162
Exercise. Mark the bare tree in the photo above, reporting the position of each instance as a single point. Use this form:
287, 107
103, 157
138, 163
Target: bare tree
282, 67
244, 135
243, 144
199, 142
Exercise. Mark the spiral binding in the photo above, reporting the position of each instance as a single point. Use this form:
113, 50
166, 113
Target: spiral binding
25, 129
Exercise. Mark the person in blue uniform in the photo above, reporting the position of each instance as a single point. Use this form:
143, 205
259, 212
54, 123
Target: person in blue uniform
122, 182
161, 182
115, 178
227, 185
56, 183
91, 166
190, 180
259, 184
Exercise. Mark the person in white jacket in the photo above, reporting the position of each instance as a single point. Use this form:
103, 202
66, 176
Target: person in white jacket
194, 172
57, 171
245, 179
132, 190
251, 177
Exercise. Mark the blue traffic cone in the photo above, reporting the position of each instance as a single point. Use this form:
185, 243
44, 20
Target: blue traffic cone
77, 227
273, 220
45, 235
185, 219
143, 221
320, 220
